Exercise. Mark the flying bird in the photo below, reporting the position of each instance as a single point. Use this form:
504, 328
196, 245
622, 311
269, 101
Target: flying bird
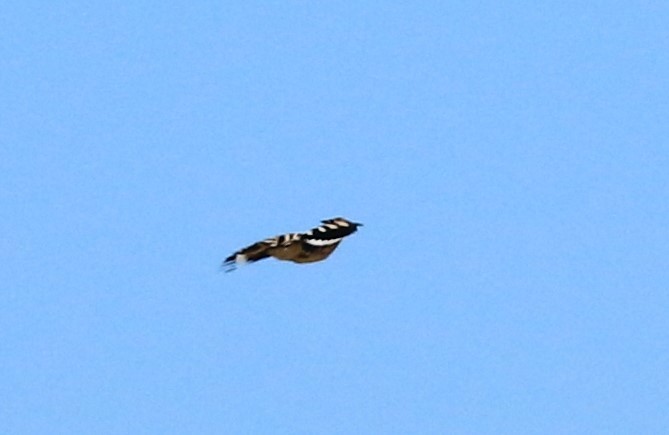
314, 245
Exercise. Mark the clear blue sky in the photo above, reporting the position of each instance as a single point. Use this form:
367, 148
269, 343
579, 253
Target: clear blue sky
509, 160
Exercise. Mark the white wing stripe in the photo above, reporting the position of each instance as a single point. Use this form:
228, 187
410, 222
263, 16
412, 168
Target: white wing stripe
317, 242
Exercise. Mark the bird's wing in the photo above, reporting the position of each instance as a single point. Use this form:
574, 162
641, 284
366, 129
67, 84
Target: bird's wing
327, 234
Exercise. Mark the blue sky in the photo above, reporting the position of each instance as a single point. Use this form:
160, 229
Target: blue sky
509, 161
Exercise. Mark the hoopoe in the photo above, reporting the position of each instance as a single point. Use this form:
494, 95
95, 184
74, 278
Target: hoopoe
314, 245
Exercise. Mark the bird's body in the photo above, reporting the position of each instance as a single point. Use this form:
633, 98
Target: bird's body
314, 245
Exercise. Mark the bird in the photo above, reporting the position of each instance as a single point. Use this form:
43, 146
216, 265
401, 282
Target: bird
314, 245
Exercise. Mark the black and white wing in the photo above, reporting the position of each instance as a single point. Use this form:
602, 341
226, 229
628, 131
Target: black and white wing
330, 233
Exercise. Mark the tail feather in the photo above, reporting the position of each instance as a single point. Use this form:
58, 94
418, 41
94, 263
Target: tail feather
250, 254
